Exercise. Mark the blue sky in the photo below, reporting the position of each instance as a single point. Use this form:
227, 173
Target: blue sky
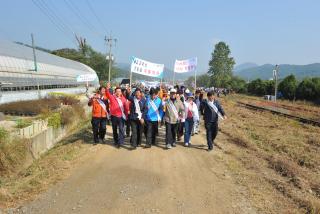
278, 32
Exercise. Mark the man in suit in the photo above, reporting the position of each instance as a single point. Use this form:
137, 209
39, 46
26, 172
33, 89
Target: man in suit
212, 111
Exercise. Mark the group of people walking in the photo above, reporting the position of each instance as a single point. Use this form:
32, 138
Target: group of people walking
142, 112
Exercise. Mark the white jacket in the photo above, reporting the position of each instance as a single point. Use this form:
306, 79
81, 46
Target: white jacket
195, 111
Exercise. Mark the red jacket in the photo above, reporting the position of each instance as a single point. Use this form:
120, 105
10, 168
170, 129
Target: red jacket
115, 109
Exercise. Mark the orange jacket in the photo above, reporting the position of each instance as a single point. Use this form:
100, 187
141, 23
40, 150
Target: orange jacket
97, 109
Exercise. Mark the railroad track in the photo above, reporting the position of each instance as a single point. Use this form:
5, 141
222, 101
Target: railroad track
300, 119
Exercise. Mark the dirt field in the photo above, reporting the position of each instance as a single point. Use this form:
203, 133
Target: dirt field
251, 170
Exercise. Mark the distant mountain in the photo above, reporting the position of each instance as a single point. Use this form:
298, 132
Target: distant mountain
266, 71
243, 66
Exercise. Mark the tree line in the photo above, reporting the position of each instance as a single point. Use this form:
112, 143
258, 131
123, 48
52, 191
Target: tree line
94, 59
220, 74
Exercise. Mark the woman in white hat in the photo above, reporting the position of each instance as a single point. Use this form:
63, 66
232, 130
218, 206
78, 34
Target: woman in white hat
191, 116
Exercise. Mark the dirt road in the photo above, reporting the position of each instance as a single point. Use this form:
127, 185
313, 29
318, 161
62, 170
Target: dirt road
181, 180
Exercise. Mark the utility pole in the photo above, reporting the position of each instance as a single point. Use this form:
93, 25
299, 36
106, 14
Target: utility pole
110, 40
275, 77
35, 62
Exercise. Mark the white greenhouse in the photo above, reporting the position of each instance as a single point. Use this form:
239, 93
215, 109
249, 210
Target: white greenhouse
54, 73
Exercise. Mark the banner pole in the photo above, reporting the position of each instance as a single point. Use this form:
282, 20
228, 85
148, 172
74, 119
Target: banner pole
195, 80
130, 79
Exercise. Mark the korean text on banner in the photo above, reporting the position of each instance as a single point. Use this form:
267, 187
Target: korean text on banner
183, 66
144, 67
86, 77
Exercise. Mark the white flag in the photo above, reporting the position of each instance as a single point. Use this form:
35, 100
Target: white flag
183, 66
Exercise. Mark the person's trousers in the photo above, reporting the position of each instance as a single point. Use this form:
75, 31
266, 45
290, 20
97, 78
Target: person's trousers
171, 130
137, 130
118, 123
180, 128
98, 128
212, 131
196, 126
127, 128
151, 127
189, 126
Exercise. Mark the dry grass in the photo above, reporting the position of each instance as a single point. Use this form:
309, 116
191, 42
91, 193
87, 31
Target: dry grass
289, 149
13, 154
36, 107
50, 168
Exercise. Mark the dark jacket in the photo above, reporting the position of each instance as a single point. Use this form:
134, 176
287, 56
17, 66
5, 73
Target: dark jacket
209, 115
133, 115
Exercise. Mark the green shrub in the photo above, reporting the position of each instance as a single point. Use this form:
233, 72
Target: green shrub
288, 87
257, 87
54, 120
307, 90
21, 123
3, 134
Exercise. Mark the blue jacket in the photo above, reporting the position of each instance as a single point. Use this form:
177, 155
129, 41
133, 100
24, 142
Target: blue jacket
149, 113
209, 115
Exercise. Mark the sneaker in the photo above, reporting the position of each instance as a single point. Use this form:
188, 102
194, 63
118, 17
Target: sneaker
174, 144
148, 146
210, 149
169, 146
186, 144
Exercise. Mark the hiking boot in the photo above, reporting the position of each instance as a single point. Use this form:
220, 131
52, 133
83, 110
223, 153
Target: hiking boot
168, 146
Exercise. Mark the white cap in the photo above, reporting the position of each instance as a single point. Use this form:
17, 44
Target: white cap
187, 91
172, 90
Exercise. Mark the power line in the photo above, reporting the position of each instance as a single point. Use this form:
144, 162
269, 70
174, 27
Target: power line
51, 18
61, 20
95, 14
82, 18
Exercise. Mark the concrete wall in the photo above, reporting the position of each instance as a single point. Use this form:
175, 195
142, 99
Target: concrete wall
46, 139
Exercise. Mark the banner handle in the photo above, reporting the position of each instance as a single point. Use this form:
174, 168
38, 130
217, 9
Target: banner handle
130, 78
195, 80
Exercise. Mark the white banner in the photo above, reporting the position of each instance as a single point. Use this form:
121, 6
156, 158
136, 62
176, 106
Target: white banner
144, 67
188, 65
86, 77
